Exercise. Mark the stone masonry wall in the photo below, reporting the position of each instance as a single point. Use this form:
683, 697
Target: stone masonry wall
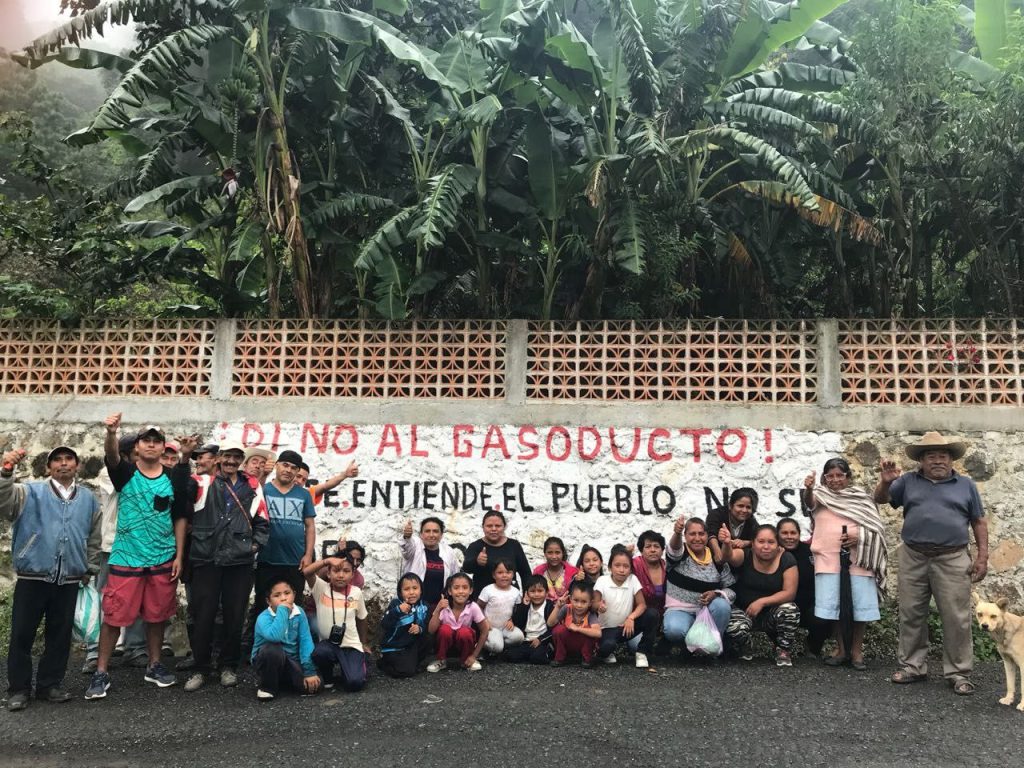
567, 477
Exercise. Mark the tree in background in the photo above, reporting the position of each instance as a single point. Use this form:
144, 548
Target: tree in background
553, 159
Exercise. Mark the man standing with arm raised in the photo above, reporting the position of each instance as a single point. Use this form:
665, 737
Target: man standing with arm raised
146, 556
939, 506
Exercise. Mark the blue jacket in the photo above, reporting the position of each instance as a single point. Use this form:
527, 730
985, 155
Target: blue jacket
290, 630
52, 540
395, 625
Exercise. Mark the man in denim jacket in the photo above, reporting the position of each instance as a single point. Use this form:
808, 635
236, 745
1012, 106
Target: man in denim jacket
55, 546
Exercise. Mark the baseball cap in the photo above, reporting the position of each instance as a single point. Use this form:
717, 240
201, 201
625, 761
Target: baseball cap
126, 443
151, 429
58, 451
304, 466
208, 448
291, 457
172, 445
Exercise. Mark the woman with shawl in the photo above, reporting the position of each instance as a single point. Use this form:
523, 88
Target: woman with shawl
845, 517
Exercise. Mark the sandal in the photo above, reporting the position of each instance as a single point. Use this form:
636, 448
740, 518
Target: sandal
963, 687
836, 661
903, 677
859, 665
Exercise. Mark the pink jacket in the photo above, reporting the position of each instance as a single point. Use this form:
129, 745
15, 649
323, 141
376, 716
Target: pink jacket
567, 577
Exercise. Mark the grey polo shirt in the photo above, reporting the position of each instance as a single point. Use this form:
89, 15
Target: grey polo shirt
936, 513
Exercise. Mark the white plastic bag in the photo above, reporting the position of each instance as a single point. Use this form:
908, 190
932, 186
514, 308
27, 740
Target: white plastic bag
87, 615
703, 636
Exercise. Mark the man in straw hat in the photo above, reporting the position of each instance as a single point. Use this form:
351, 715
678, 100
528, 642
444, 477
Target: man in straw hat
939, 505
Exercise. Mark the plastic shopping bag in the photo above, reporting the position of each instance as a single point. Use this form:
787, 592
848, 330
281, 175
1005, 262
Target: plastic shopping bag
703, 636
87, 615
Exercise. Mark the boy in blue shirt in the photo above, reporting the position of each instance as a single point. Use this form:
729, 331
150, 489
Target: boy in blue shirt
282, 648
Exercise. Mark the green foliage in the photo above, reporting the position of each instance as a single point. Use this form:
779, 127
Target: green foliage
601, 158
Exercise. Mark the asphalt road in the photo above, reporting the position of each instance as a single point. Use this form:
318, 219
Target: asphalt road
728, 714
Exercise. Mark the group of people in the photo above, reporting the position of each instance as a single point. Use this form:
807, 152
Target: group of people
229, 523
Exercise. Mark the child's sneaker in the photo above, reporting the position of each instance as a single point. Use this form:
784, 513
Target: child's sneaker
476, 666
158, 675
782, 658
437, 666
98, 686
641, 661
262, 695
587, 664
610, 659
228, 678
556, 663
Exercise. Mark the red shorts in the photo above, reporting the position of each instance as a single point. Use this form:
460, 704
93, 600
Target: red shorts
131, 592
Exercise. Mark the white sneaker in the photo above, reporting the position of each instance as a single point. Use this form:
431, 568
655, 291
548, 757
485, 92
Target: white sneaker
641, 660
437, 666
195, 682
610, 659
228, 678
476, 666
264, 695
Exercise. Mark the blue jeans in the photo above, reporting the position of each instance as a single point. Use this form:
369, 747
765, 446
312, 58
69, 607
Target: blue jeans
678, 622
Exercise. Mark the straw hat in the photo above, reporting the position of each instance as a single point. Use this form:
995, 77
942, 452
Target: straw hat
934, 441
250, 452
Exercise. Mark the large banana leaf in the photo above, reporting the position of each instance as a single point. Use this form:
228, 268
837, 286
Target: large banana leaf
348, 204
804, 78
768, 157
980, 71
495, 12
644, 79
765, 29
463, 64
163, 66
186, 184
438, 211
546, 166
116, 13
356, 28
990, 28
760, 116
628, 237
79, 58
810, 107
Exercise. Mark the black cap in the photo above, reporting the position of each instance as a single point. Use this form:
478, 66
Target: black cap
126, 443
304, 466
58, 451
291, 457
208, 448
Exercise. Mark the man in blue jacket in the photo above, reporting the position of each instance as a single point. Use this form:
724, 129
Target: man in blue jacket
55, 545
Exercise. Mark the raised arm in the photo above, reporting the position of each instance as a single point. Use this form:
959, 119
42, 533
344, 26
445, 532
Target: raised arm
352, 470
110, 453
12, 494
889, 474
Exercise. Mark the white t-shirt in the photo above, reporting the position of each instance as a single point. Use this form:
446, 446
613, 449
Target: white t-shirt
618, 600
325, 620
536, 625
498, 604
